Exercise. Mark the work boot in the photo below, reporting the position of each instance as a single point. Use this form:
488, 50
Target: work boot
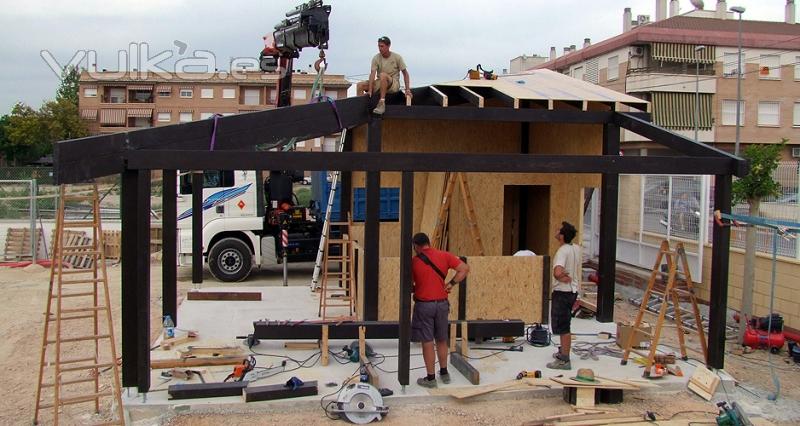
425, 383
381, 108
560, 364
445, 378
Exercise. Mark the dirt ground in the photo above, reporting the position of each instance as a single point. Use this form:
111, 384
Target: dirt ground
21, 327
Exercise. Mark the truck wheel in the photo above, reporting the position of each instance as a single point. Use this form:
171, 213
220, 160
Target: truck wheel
230, 260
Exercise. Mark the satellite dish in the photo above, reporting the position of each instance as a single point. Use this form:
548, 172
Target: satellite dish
698, 4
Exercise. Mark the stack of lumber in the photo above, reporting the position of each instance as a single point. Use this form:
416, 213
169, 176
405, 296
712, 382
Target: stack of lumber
18, 244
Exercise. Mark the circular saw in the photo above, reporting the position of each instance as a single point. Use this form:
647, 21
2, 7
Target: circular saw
360, 403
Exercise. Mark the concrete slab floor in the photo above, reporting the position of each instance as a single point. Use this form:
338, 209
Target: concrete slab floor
219, 322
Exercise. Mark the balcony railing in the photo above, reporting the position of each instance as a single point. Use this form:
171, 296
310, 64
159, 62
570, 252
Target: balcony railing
686, 69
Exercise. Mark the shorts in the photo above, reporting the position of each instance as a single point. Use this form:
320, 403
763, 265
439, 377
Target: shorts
430, 321
393, 87
561, 311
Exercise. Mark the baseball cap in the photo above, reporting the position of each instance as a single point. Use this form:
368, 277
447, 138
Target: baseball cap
385, 40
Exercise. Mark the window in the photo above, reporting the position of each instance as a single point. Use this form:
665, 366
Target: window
729, 64
228, 93
613, 68
211, 179
206, 115
164, 93
116, 95
226, 114
273, 95
301, 144
164, 117
252, 96
185, 117
577, 73
729, 113
317, 142
796, 120
207, 93
769, 113
90, 92
770, 67
186, 93
333, 94
797, 68
299, 93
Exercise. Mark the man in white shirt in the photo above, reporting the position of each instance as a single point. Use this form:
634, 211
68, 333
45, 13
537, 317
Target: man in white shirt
566, 281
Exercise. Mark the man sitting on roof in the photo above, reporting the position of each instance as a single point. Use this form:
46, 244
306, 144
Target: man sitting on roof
385, 75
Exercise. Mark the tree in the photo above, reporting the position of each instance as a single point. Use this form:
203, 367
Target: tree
68, 89
756, 185
3, 138
61, 120
26, 135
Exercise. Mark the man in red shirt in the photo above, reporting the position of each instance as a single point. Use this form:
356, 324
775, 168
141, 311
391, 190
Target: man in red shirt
431, 307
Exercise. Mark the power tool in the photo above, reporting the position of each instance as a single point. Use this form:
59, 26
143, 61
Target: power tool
732, 415
536, 374
247, 365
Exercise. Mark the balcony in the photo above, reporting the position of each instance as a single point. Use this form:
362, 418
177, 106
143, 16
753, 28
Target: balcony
649, 80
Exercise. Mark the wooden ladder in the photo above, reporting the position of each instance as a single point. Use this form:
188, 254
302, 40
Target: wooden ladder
676, 291
78, 327
444, 212
338, 289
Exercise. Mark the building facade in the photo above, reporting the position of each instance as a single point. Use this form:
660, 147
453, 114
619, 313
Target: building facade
685, 60
113, 102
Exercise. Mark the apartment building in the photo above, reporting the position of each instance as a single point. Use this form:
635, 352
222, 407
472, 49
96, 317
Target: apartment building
682, 60
113, 102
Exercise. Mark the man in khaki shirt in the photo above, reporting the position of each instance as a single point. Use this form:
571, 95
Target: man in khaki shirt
385, 74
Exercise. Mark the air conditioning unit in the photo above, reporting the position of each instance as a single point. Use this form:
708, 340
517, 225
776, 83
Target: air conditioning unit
796, 152
637, 51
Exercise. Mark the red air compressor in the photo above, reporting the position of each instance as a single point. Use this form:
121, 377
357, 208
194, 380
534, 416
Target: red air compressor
757, 336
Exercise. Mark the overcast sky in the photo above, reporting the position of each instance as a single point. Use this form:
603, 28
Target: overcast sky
439, 39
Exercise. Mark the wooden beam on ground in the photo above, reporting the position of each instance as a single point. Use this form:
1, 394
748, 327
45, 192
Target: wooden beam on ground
404, 320
461, 363
440, 97
280, 391
205, 390
224, 295
720, 260
473, 98
324, 346
158, 364
169, 241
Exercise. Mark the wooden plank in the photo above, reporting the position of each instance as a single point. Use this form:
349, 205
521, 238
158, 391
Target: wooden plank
704, 382
224, 295
608, 421
167, 344
205, 390
453, 333
461, 363
195, 351
324, 346
362, 342
603, 384
281, 391
302, 346
440, 97
472, 97
481, 390
584, 397
464, 340
158, 364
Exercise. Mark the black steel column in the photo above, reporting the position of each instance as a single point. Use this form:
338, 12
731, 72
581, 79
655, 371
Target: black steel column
197, 227
136, 279
720, 258
346, 186
169, 239
609, 196
372, 230
406, 224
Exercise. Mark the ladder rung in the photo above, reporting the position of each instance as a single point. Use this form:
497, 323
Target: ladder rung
79, 197
88, 367
646, 355
69, 361
79, 224
83, 398
72, 318
86, 281
65, 253
70, 382
84, 247
76, 310
340, 241
75, 271
88, 293
81, 339
338, 257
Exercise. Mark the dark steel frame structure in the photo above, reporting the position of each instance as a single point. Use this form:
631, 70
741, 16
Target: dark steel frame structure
187, 146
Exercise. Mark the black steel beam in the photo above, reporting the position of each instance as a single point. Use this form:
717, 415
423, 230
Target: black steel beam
205, 390
81, 159
169, 241
462, 295
406, 226
675, 141
197, 227
423, 112
372, 230
428, 162
720, 258
279, 391
277, 330
609, 194
346, 185
136, 279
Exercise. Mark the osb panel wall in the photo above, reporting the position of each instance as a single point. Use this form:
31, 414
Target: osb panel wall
498, 287
390, 237
630, 203
487, 188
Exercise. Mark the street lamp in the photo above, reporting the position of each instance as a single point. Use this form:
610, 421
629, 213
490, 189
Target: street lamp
697, 51
740, 11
